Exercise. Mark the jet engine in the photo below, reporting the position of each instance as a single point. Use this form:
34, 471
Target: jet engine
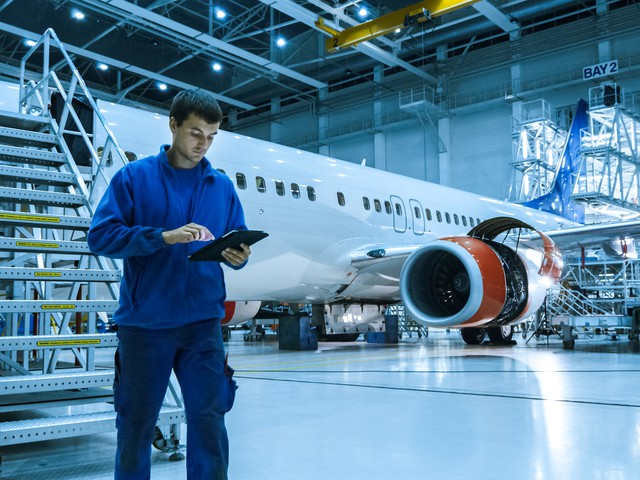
475, 280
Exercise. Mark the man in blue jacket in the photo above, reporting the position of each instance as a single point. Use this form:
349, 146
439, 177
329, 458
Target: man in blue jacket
156, 212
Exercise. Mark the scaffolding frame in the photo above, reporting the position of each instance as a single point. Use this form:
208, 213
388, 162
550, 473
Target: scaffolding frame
609, 165
537, 148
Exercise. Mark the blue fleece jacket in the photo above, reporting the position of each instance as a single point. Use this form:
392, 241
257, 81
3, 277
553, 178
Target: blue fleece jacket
161, 288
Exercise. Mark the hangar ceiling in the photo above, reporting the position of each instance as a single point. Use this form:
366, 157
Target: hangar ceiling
148, 42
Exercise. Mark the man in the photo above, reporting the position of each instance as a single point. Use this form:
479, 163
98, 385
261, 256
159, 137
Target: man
156, 212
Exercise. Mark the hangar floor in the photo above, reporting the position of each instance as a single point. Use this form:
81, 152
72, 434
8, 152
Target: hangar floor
434, 408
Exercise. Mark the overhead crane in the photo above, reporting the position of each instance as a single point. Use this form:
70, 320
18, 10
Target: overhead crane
417, 13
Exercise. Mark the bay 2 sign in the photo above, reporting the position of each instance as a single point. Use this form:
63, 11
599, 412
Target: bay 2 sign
600, 70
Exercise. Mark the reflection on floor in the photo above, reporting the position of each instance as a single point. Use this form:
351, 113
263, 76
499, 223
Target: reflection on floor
432, 408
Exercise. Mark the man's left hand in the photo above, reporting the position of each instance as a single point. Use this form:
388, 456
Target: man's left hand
237, 257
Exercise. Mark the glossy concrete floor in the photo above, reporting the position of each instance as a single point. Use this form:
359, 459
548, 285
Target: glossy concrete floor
433, 408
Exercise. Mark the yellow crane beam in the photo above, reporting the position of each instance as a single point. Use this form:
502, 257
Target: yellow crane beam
376, 27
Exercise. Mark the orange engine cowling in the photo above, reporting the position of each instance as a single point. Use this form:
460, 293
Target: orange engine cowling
239, 312
471, 281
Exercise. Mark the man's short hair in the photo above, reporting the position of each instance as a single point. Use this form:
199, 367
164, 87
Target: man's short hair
199, 102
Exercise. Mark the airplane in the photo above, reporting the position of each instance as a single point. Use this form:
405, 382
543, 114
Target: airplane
351, 239
355, 239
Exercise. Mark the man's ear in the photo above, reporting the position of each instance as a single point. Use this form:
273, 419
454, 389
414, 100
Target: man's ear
173, 124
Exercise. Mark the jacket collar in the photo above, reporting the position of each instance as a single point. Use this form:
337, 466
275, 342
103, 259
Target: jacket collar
205, 165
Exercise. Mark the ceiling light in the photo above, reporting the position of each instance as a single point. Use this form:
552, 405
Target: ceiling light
281, 42
220, 13
29, 43
162, 86
216, 66
363, 12
103, 66
77, 14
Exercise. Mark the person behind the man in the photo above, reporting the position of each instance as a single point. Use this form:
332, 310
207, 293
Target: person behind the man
156, 212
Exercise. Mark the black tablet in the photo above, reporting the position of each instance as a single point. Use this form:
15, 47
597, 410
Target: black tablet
213, 251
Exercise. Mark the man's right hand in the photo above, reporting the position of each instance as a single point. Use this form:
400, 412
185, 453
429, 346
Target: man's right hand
192, 232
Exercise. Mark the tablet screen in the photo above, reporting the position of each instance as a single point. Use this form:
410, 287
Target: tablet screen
213, 250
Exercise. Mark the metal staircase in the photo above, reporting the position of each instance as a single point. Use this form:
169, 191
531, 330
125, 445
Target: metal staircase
567, 302
56, 297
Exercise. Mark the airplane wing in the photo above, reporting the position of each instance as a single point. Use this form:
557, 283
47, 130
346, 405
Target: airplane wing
589, 235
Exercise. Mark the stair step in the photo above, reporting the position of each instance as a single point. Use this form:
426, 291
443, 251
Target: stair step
37, 176
42, 197
59, 274
50, 306
19, 138
31, 306
24, 122
20, 384
44, 221
34, 156
43, 342
39, 429
20, 402
43, 246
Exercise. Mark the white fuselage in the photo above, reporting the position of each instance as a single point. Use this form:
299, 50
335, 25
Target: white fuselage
314, 234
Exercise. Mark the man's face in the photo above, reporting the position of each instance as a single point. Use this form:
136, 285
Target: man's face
191, 140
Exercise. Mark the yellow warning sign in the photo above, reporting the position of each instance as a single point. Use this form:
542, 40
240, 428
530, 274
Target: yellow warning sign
58, 306
47, 274
67, 343
18, 216
38, 244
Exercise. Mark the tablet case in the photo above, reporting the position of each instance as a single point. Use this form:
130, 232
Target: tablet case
213, 250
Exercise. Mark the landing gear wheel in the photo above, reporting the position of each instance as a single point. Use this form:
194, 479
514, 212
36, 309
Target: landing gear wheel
473, 336
568, 344
500, 335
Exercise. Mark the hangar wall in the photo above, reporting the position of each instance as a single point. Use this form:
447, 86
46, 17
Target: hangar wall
483, 88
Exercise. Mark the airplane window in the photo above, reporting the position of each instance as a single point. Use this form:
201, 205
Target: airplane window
341, 201
455, 219
398, 209
261, 185
428, 212
376, 204
311, 193
241, 181
365, 202
439, 215
387, 207
295, 190
447, 217
280, 188
471, 222
464, 220
417, 212
221, 171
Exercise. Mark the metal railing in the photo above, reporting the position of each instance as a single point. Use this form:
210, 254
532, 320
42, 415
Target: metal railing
35, 99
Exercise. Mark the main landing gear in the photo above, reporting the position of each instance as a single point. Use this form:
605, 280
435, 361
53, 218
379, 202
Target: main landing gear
500, 335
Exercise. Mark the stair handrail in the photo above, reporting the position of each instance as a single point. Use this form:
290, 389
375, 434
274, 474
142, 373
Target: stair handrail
575, 303
40, 91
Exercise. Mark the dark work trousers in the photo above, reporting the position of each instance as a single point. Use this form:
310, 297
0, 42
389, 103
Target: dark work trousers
143, 363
